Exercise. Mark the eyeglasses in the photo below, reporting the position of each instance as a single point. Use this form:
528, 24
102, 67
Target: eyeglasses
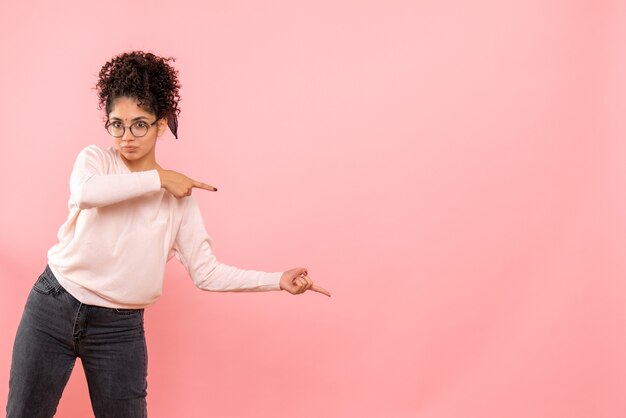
138, 129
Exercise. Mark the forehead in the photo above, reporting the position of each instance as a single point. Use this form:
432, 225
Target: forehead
125, 108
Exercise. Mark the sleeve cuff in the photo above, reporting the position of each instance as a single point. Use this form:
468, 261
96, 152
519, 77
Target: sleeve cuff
150, 181
271, 281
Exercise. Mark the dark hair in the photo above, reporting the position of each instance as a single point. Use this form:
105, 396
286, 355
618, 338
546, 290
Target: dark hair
145, 77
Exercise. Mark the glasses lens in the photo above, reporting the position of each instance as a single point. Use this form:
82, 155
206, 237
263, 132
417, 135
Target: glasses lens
116, 129
139, 128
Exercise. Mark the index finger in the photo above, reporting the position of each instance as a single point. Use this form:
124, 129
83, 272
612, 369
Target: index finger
320, 289
204, 186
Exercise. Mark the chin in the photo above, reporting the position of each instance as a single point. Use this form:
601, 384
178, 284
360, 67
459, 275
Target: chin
132, 155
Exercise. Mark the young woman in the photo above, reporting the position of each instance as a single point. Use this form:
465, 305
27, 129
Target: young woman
127, 217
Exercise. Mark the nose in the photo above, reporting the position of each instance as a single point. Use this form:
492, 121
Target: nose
128, 135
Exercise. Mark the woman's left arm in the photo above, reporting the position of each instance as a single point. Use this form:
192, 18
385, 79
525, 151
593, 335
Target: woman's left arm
193, 247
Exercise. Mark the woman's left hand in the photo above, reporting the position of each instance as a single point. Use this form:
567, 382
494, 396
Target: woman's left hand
297, 281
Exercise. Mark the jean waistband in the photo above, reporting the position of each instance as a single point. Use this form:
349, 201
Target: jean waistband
54, 284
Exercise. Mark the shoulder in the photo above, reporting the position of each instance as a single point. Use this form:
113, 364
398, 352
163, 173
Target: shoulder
98, 153
97, 157
186, 205
189, 209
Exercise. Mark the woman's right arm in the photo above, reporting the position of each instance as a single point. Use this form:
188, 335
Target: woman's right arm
92, 187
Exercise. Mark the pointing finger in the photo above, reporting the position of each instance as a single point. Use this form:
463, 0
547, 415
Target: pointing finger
204, 186
320, 289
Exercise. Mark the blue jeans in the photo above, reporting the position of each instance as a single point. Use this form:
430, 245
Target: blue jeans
54, 330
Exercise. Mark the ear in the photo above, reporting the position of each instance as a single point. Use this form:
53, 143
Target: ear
161, 126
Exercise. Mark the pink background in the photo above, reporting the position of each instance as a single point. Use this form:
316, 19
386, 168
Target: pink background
453, 172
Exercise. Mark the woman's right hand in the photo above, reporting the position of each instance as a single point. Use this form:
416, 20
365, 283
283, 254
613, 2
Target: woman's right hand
179, 185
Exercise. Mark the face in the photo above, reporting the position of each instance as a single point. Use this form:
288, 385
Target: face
136, 150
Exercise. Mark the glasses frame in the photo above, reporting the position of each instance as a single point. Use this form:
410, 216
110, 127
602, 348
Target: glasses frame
108, 123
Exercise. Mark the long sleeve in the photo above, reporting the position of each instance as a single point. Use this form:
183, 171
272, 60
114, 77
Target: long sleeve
193, 249
91, 186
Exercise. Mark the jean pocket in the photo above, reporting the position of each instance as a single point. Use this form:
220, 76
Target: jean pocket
42, 285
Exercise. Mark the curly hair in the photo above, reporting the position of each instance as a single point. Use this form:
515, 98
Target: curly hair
145, 77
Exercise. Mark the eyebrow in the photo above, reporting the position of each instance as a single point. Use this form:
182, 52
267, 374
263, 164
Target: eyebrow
137, 118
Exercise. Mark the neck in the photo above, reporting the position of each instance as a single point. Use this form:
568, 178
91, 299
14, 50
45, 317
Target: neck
143, 164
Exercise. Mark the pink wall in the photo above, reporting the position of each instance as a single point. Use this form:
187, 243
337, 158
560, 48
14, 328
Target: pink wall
452, 171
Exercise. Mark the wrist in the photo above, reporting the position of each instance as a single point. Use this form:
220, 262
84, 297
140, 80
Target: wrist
280, 281
162, 176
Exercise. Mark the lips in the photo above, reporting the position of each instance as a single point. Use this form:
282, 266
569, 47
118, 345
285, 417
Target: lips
129, 149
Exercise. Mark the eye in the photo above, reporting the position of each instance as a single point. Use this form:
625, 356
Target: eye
141, 124
116, 124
